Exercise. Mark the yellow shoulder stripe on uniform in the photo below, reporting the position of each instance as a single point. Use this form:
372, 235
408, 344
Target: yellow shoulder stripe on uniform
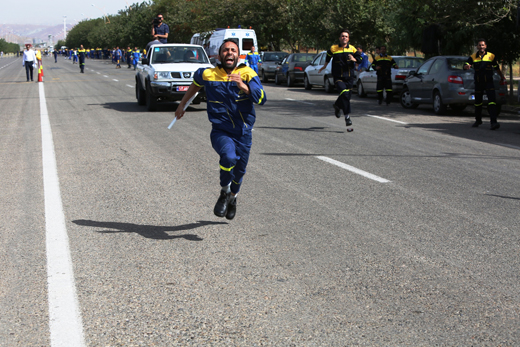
337, 49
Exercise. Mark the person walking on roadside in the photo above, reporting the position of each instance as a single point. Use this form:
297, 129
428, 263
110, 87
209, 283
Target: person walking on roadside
383, 65
129, 57
484, 63
74, 56
81, 54
344, 59
231, 91
29, 59
135, 57
363, 66
253, 58
117, 57
55, 53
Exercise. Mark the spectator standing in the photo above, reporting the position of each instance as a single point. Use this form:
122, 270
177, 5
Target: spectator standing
29, 59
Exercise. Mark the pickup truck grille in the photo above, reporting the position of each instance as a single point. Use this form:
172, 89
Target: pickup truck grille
181, 74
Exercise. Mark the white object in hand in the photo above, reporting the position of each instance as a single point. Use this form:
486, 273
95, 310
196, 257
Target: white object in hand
185, 107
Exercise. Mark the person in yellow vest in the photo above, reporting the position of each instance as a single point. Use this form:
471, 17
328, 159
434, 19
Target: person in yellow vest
484, 63
384, 64
81, 55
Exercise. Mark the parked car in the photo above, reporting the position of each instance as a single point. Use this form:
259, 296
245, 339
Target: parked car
442, 81
312, 76
167, 73
292, 67
270, 60
367, 80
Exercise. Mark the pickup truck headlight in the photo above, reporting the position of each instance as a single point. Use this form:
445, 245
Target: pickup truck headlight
161, 75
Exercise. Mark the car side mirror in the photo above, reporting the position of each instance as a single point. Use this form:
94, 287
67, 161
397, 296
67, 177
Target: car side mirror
412, 73
212, 60
144, 61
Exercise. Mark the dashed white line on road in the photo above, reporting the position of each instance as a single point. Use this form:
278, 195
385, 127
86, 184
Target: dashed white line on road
65, 324
388, 119
302, 102
354, 169
105, 76
129, 86
98, 73
115, 80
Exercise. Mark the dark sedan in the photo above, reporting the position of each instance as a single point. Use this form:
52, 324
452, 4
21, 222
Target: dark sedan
292, 67
442, 81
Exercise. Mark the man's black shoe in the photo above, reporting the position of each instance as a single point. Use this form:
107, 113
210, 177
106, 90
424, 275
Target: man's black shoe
337, 111
348, 121
495, 126
222, 204
232, 208
477, 123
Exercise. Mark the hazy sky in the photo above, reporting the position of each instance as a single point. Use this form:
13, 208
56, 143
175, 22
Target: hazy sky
51, 12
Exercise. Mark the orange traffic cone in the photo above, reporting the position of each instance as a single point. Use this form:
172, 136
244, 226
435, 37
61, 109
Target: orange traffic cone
40, 73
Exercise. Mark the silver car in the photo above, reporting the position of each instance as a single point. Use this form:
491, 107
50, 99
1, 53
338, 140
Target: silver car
442, 81
270, 60
367, 80
314, 78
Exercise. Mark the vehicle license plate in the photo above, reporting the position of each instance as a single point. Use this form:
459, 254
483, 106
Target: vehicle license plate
182, 88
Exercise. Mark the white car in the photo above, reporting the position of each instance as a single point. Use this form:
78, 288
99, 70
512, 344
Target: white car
312, 77
367, 80
167, 72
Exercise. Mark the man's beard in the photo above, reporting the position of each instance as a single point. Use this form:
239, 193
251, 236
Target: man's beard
225, 66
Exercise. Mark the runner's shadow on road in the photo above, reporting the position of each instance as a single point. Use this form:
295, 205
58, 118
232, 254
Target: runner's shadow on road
149, 231
315, 129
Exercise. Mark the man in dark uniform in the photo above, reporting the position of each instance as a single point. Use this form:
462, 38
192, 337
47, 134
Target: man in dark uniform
384, 64
231, 92
344, 59
160, 30
81, 55
484, 64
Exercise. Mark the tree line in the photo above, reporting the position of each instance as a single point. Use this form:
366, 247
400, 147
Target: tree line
9, 47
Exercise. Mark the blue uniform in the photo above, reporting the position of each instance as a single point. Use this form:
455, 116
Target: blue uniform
253, 59
136, 55
232, 115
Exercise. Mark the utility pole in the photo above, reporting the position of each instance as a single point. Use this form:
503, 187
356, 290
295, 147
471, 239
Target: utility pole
64, 27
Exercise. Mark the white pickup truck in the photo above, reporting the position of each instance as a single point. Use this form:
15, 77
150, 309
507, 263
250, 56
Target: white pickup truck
167, 72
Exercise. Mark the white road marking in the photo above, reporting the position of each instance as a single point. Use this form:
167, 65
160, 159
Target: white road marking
105, 76
65, 324
302, 102
98, 73
506, 145
353, 169
129, 86
388, 119
115, 80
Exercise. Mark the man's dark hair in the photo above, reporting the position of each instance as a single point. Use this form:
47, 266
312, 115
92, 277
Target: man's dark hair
480, 40
360, 47
225, 41
344, 31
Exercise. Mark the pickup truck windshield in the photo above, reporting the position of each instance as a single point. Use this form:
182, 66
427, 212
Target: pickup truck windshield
179, 54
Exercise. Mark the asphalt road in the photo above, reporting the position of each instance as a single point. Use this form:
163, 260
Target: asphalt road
420, 248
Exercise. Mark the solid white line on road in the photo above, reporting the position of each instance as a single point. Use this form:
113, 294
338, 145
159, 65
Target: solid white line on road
115, 80
129, 86
66, 328
388, 119
302, 102
353, 169
506, 145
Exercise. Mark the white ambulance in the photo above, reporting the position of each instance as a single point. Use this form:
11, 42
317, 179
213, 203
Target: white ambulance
245, 38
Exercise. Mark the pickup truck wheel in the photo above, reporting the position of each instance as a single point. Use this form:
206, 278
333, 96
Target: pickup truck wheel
140, 94
151, 101
264, 77
290, 81
329, 88
439, 107
306, 83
